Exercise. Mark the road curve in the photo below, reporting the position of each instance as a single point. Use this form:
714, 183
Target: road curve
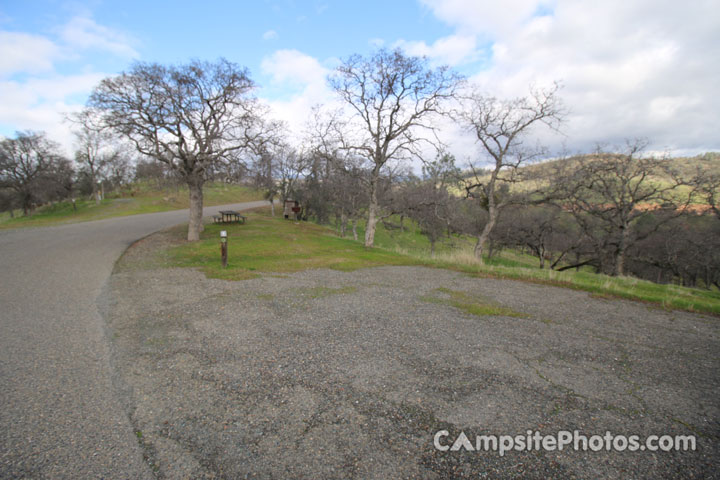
59, 414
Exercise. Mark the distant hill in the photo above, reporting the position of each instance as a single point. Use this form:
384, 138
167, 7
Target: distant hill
686, 166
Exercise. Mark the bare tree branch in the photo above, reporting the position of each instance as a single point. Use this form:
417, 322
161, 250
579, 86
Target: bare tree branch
390, 97
191, 117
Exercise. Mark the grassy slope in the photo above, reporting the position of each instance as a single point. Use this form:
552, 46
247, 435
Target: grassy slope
411, 241
269, 244
143, 200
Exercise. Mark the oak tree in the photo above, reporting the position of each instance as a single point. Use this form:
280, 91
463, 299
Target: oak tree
614, 196
190, 117
501, 129
32, 168
391, 100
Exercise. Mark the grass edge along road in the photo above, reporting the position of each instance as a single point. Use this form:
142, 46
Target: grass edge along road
141, 199
275, 245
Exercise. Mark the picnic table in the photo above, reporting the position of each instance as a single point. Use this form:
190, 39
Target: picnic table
229, 216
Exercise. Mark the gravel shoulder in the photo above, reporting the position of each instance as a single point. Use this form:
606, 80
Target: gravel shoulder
327, 374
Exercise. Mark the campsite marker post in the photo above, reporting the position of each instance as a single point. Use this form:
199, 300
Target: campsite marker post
223, 247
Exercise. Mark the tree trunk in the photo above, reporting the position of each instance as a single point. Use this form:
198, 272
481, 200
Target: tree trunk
620, 253
26, 204
343, 224
195, 225
372, 212
272, 206
354, 229
370, 227
485, 234
95, 190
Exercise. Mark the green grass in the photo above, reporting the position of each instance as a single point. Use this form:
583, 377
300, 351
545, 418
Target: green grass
268, 244
456, 253
664, 296
471, 304
319, 292
140, 199
410, 239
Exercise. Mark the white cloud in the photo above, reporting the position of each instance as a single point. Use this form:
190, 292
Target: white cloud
83, 33
452, 50
295, 68
304, 79
22, 52
33, 94
270, 35
42, 103
645, 68
485, 17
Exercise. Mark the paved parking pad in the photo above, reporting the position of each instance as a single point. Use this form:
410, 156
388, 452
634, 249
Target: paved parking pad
327, 374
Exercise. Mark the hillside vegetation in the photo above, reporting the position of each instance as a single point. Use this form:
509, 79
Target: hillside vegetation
536, 175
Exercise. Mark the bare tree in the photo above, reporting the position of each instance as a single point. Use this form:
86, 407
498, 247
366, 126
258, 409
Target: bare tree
31, 166
391, 99
190, 117
610, 194
96, 150
8, 201
501, 128
349, 196
277, 170
119, 169
291, 164
152, 171
708, 183
264, 178
428, 201
546, 231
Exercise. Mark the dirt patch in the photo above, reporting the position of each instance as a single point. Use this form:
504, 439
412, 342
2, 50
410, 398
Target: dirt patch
327, 374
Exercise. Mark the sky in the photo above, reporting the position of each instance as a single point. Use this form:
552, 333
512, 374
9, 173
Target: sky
628, 68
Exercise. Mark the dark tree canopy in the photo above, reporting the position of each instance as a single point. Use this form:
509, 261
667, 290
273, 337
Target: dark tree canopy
32, 168
612, 194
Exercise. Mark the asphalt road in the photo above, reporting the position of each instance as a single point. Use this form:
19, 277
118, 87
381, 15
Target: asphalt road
59, 414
